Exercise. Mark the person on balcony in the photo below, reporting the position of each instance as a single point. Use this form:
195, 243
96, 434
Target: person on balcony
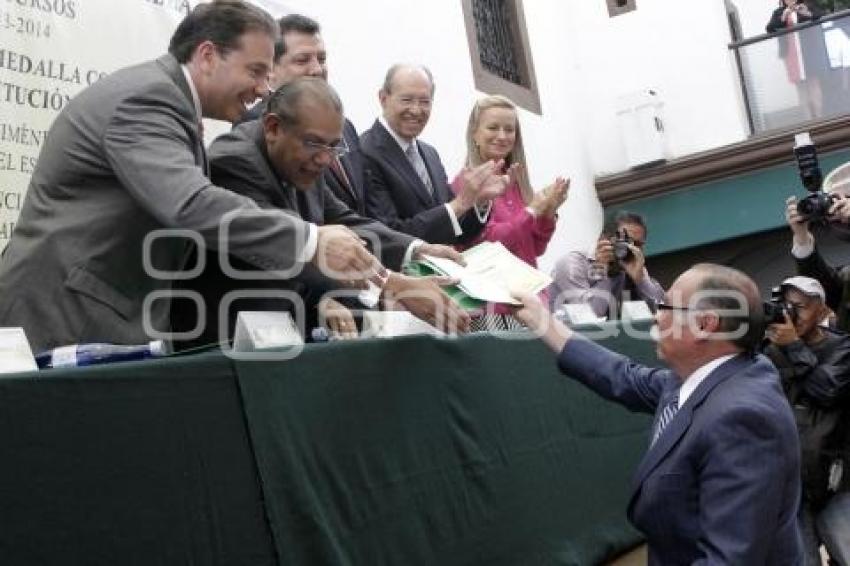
803, 52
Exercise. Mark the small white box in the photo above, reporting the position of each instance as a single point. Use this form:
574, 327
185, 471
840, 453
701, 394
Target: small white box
579, 314
635, 311
15, 352
387, 324
261, 330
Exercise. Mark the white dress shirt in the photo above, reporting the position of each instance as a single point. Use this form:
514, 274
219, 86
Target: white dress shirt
698, 376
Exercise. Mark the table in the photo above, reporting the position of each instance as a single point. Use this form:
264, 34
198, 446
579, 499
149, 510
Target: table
414, 451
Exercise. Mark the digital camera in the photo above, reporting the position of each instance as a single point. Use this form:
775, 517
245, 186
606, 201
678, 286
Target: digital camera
776, 307
621, 243
814, 207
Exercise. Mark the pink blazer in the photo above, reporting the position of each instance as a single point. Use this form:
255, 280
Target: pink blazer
525, 235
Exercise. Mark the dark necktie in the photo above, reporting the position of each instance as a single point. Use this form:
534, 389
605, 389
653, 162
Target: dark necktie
667, 413
339, 173
301, 204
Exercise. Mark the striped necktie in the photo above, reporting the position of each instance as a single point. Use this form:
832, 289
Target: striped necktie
667, 413
419, 165
339, 172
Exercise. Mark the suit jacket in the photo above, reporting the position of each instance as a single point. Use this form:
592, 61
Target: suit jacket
352, 189
239, 161
722, 483
398, 198
123, 159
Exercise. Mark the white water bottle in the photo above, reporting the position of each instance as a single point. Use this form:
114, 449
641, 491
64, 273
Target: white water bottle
91, 354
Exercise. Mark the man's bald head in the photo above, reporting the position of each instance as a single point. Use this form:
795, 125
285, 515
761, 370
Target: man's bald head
286, 100
303, 130
726, 288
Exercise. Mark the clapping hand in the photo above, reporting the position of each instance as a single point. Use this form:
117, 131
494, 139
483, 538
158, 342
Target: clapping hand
556, 194
481, 184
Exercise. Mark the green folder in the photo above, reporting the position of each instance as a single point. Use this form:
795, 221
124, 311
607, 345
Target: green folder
464, 301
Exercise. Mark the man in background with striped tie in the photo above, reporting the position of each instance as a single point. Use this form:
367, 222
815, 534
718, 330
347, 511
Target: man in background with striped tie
408, 187
719, 483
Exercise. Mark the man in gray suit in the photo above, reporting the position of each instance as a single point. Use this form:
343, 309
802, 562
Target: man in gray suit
124, 160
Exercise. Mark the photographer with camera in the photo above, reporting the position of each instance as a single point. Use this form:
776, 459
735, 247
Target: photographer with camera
814, 366
810, 263
617, 273
818, 208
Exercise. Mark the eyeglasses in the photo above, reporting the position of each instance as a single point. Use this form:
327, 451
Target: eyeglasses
410, 102
337, 150
655, 306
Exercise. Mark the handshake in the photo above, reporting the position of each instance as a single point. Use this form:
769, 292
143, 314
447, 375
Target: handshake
342, 256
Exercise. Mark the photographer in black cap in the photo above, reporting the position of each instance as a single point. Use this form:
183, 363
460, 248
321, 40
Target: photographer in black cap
814, 366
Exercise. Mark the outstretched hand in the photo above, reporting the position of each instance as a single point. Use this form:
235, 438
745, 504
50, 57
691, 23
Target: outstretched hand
439, 250
424, 298
540, 321
341, 255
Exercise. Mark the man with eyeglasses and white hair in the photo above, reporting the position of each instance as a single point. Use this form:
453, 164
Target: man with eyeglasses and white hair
408, 187
278, 162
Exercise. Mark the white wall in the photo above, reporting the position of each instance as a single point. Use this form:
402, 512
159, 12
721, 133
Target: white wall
363, 42
583, 60
754, 15
679, 52
49, 52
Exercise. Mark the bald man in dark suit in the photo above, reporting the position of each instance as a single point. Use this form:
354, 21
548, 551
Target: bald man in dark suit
408, 186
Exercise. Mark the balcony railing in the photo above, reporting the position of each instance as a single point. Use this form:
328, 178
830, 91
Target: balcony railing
797, 75
777, 108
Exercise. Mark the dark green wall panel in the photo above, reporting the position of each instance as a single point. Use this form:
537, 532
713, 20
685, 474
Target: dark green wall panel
724, 209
